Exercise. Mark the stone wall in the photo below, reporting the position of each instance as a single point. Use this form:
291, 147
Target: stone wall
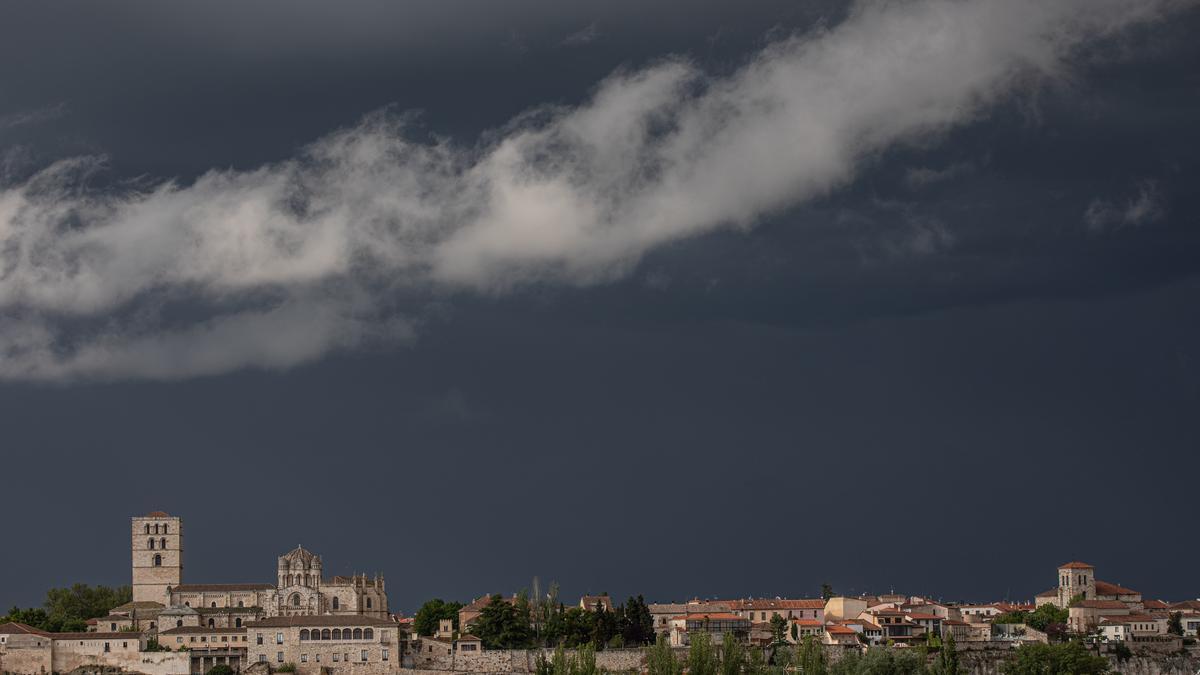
520, 660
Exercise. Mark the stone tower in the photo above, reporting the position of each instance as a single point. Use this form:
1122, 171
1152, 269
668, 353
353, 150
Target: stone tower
1076, 579
157, 545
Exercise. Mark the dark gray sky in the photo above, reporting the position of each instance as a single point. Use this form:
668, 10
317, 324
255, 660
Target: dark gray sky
942, 357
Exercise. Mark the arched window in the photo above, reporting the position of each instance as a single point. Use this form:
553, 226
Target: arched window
164, 528
179, 623
303, 634
295, 599
211, 623
237, 623
368, 634
156, 528
337, 633
147, 528
162, 543
150, 544
357, 633
213, 605
187, 604
335, 603
157, 560
241, 604
325, 634
368, 603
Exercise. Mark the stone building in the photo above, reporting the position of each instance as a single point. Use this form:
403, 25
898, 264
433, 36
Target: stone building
326, 644
300, 588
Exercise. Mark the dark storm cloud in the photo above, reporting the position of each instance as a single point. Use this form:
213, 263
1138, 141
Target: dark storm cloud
312, 248
996, 324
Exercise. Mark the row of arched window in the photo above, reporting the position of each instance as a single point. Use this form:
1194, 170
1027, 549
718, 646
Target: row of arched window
338, 634
162, 543
156, 530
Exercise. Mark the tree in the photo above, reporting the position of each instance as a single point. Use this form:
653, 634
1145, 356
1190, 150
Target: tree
660, 659
701, 659
778, 629
1175, 624
810, 657
68, 609
220, 669
502, 625
947, 660
432, 612
1068, 657
733, 656
826, 591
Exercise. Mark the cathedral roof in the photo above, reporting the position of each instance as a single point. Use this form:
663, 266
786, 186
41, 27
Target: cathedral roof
299, 555
220, 588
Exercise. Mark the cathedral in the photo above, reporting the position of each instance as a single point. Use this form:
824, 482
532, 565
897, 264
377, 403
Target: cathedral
161, 598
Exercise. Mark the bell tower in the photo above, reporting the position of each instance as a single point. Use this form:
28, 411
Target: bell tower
157, 547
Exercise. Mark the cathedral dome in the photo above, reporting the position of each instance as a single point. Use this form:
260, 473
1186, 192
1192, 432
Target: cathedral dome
300, 557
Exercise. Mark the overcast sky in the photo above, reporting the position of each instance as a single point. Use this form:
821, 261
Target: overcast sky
680, 298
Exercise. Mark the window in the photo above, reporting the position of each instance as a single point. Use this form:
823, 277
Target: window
335, 657
358, 634
260, 640
279, 638
204, 638
147, 528
241, 604
335, 603
124, 645
295, 600
304, 635
211, 623
162, 543
164, 528
368, 634
318, 657
112, 627
192, 639
325, 634
224, 638
364, 655
237, 623
368, 603
106, 648
279, 657
262, 658
385, 653
337, 633
179, 639
157, 560
150, 544
304, 658
213, 605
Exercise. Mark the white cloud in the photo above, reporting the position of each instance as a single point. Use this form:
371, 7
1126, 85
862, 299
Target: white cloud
584, 36
301, 257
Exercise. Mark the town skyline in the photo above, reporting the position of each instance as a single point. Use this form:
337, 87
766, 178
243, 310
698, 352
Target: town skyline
407, 596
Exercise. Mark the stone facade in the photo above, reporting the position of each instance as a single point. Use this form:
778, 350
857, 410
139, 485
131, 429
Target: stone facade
346, 644
299, 589
157, 548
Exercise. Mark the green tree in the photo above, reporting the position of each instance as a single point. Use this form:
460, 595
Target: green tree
826, 591
1049, 659
1175, 623
501, 625
660, 659
220, 669
947, 660
733, 656
810, 657
432, 612
68, 609
778, 629
701, 657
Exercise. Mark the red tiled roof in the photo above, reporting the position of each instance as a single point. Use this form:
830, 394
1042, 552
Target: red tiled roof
1131, 618
14, 628
719, 616
157, 514
1156, 604
220, 588
1076, 566
778, 603
923, 617
806, 622
1052, 593
320, 620
1101, 604
196, 630
835, 629
1105, 588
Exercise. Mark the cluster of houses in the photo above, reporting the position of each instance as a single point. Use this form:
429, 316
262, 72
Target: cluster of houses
217, 627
